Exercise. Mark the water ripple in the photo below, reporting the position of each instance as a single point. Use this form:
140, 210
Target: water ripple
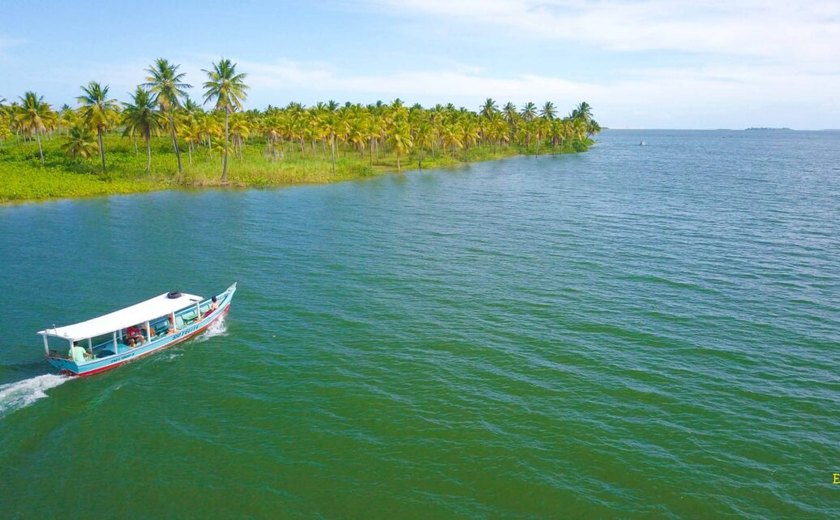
633, 332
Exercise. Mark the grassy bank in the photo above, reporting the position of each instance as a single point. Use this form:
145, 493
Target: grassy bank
46, 153
24, 178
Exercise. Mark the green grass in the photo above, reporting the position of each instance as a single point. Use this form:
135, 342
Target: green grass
24, 178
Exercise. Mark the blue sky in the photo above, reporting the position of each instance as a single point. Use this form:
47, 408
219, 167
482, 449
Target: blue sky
639, 63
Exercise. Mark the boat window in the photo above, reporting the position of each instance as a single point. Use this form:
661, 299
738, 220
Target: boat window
57, 346
99, 342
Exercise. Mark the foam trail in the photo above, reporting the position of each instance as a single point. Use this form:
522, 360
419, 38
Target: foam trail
19, 394
217, 328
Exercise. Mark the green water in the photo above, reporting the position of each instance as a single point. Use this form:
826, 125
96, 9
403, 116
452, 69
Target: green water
634, 332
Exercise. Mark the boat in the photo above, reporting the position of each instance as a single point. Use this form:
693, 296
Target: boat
144, 328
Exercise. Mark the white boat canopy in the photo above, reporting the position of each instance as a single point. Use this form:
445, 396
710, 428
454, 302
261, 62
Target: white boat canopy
124, 318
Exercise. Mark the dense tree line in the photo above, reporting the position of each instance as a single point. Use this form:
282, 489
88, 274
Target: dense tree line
162, 106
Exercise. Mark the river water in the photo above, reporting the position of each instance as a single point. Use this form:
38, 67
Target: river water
637, 331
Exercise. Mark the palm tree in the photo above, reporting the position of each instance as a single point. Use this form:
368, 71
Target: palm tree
239, 131
34, 116
141, 117
529, 111
498, 131
209, 129
68, 118
511, 117
510, 113
228, 88
359, 129
168, 88
469, 133
79, 143
191, 106
191, 133
400, 139
330, 124
297, 124
423, 139
582, 111
451, 136
375, 130
98, 112
548, 111
5, 124
489, 108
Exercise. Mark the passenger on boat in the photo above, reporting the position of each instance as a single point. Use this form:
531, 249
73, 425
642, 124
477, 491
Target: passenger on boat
133, 336
172, 329
213, 306
77, 353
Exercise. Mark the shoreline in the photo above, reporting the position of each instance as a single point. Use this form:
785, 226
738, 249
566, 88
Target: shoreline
93, 186
106, 148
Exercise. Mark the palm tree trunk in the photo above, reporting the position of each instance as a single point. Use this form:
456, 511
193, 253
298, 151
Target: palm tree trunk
333, 153
40, 150
224, 161
148, 154
175, 142
101, 148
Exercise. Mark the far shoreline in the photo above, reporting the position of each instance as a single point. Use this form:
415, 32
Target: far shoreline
144, 187
164, 140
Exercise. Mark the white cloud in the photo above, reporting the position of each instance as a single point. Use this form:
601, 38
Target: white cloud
807, 32
441, 85
750, 61
712, 96
729, 62
284, 73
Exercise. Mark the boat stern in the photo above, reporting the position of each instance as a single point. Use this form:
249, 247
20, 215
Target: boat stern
64, 366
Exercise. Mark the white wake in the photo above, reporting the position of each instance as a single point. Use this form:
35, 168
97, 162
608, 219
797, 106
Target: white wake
19, 394
217, 328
